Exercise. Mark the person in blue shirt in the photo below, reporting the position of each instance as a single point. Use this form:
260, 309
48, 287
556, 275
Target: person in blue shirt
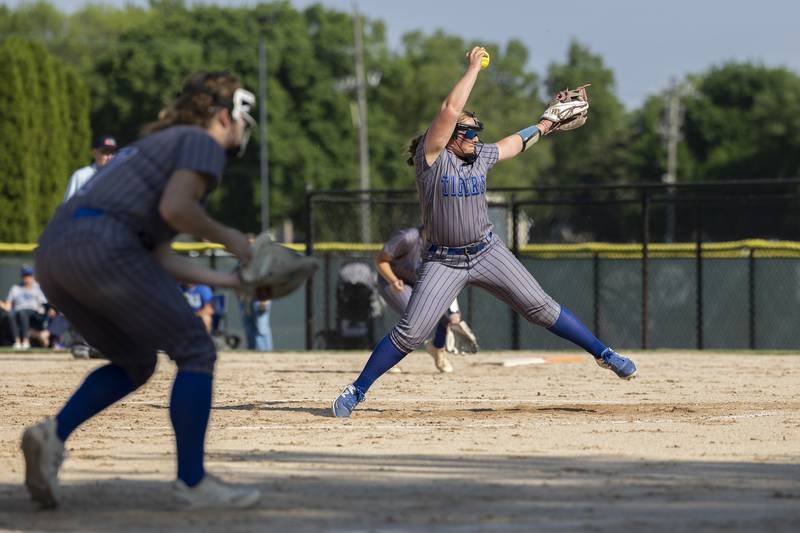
200, 299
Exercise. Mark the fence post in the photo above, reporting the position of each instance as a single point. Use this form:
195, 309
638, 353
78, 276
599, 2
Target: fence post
645, 265
310, 282
326, 287
515, 344
751, 290
596, 292
698, 214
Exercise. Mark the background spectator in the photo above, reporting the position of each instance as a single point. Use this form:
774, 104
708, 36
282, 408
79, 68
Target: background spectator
24, 303
256, 325
200, 298
103, 149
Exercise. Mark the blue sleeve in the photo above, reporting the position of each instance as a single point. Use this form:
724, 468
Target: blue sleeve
198, 152
206, 294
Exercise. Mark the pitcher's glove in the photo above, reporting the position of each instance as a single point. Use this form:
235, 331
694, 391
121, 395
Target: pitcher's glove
275, 270
568, 110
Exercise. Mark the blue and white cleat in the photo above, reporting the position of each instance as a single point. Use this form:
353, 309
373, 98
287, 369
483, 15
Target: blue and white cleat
621, 366
344, 404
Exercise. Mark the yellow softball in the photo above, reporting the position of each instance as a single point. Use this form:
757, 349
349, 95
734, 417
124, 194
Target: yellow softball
485, 59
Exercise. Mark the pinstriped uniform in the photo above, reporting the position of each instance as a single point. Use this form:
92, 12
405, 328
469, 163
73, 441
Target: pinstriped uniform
455, 213
452, 196
99, 269
405, 248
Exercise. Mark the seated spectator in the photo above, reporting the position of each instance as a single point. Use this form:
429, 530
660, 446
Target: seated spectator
200, 298
256, 325
24, 303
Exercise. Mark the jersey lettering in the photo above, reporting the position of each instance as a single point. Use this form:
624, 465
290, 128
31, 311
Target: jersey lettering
463, 187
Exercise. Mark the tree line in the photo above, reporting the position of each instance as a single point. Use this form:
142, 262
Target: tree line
741, 120
44, 134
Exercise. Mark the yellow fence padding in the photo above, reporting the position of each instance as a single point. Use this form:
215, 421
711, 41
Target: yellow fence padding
731, 249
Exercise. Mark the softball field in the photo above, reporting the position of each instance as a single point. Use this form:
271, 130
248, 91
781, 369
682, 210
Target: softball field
699, 442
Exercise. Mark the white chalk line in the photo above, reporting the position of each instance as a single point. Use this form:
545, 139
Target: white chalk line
333, 425
746, 415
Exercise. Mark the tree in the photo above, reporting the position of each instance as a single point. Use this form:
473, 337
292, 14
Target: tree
50, 128
39, 120
77, 116
16, 157
744, 122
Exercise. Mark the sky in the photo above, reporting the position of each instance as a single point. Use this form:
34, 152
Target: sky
646, 43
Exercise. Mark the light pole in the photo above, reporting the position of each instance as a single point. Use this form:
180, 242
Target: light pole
262, 123
363, 142
673, 122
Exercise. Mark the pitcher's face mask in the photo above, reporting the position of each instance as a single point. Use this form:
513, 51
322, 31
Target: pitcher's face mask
468, 132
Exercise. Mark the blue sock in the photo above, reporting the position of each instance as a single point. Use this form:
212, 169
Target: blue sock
103, 387
441, 334
189, 408
569, 327
384, 357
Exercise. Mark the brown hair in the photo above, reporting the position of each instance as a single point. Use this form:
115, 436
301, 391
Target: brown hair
203, 94
412, 149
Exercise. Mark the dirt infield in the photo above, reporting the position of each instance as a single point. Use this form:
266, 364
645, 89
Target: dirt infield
699, 442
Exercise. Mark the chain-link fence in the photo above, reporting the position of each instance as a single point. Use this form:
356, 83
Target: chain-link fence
696, 265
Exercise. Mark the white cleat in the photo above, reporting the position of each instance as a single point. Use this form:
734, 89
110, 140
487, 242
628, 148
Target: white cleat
44, 453
439, 358
212, 493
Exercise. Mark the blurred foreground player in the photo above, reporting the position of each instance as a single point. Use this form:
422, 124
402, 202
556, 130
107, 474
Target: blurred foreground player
105, 261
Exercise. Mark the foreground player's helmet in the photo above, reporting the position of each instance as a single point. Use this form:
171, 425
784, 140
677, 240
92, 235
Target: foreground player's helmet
238, 105
243, 102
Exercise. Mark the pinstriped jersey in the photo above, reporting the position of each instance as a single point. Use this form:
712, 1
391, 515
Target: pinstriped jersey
452, 195
130, 187
405, 247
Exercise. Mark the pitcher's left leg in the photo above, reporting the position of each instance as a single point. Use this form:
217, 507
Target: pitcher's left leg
499, 272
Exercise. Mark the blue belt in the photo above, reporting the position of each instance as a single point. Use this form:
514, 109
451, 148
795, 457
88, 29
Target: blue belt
87, 212
470, 249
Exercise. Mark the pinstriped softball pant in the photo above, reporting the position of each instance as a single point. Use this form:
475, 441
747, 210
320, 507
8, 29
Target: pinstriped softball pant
111, 289
495, 269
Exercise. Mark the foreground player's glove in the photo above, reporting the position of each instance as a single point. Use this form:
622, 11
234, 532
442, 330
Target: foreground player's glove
460, 339
275, 270
568, 110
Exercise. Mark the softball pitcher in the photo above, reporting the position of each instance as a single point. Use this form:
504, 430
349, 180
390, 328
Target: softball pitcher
451, 167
